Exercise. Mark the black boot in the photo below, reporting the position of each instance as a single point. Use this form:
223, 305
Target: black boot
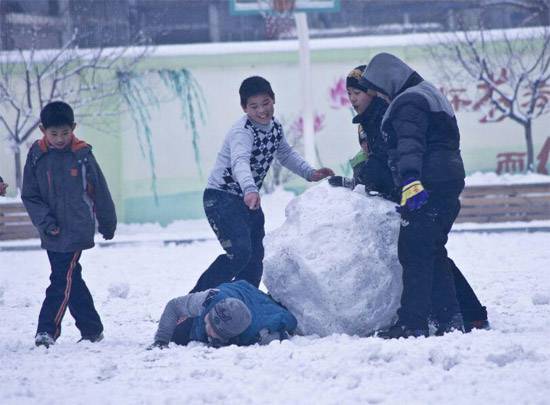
455, 324
401, 331
477, 324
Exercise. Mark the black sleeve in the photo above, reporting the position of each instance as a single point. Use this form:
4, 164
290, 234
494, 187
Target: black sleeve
104, 206
38, 209
410, 125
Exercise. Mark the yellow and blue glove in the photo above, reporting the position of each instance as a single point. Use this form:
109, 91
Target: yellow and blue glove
413, 195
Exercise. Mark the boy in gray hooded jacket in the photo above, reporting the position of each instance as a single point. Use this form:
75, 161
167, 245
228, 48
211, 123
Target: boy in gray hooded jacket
64, 192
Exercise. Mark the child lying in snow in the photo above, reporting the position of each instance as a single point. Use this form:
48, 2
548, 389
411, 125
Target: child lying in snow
233, 313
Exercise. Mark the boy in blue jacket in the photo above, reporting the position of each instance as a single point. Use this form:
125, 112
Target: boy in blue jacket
64, 192
233, 313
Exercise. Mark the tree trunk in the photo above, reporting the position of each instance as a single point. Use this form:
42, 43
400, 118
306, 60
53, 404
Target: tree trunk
530, 150
18, 174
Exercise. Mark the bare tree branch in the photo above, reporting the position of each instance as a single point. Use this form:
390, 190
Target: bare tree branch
511, 72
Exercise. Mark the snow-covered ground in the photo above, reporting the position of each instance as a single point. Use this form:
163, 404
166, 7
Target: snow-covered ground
131, 284
506, 365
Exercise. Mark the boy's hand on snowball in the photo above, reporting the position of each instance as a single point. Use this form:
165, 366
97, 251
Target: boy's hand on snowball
322, 173
252, 200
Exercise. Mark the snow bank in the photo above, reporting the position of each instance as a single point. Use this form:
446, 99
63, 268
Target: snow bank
333, 263
491, 178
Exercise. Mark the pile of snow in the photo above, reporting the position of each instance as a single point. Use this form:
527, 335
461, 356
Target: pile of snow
333, 263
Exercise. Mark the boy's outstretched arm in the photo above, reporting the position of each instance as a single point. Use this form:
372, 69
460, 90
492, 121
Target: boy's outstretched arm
292, 160
187, 306
38, 209
104, 206
240, 141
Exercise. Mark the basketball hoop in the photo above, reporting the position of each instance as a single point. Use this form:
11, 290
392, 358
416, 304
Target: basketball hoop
282, 6
278, 16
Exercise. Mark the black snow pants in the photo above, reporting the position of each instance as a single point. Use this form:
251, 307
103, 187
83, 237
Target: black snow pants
67, 288
240, 231
432, 283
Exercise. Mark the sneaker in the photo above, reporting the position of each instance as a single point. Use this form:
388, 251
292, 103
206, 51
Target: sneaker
401, 331
92, 338
477, 324
44, 339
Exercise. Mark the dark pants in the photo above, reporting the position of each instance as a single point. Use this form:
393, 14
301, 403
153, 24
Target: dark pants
67, 288
240, 231
432, 284
182, 333
471, 308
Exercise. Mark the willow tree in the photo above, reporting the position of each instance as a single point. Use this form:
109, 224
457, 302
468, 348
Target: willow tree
99, 83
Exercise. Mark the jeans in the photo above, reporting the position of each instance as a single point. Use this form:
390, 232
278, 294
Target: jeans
240, 232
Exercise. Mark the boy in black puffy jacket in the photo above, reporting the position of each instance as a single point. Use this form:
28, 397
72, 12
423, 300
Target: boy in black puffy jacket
374, 172
423, 145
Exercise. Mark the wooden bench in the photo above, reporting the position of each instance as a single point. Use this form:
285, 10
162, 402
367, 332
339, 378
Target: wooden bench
505, 203
492, 203
15, 222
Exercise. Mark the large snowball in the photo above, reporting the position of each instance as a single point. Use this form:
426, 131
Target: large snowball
333, 263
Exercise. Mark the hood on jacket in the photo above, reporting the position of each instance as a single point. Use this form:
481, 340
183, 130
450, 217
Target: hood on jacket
386, 74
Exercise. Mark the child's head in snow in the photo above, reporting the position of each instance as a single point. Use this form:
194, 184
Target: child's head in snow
257, 99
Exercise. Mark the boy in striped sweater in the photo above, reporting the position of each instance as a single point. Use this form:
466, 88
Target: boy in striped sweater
232, 197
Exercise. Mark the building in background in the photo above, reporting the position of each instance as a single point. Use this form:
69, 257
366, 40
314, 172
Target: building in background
49, 23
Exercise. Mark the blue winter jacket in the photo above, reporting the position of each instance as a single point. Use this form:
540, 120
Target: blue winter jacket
266, 313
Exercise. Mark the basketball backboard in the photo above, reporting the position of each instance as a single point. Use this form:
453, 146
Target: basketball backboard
243, 7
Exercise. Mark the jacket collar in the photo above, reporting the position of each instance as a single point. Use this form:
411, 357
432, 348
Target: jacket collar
75, 145
375, 107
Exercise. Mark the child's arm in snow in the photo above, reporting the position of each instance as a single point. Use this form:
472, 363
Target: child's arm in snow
188, 306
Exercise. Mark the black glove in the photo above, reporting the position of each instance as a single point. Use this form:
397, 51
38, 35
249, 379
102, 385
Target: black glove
340, 181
